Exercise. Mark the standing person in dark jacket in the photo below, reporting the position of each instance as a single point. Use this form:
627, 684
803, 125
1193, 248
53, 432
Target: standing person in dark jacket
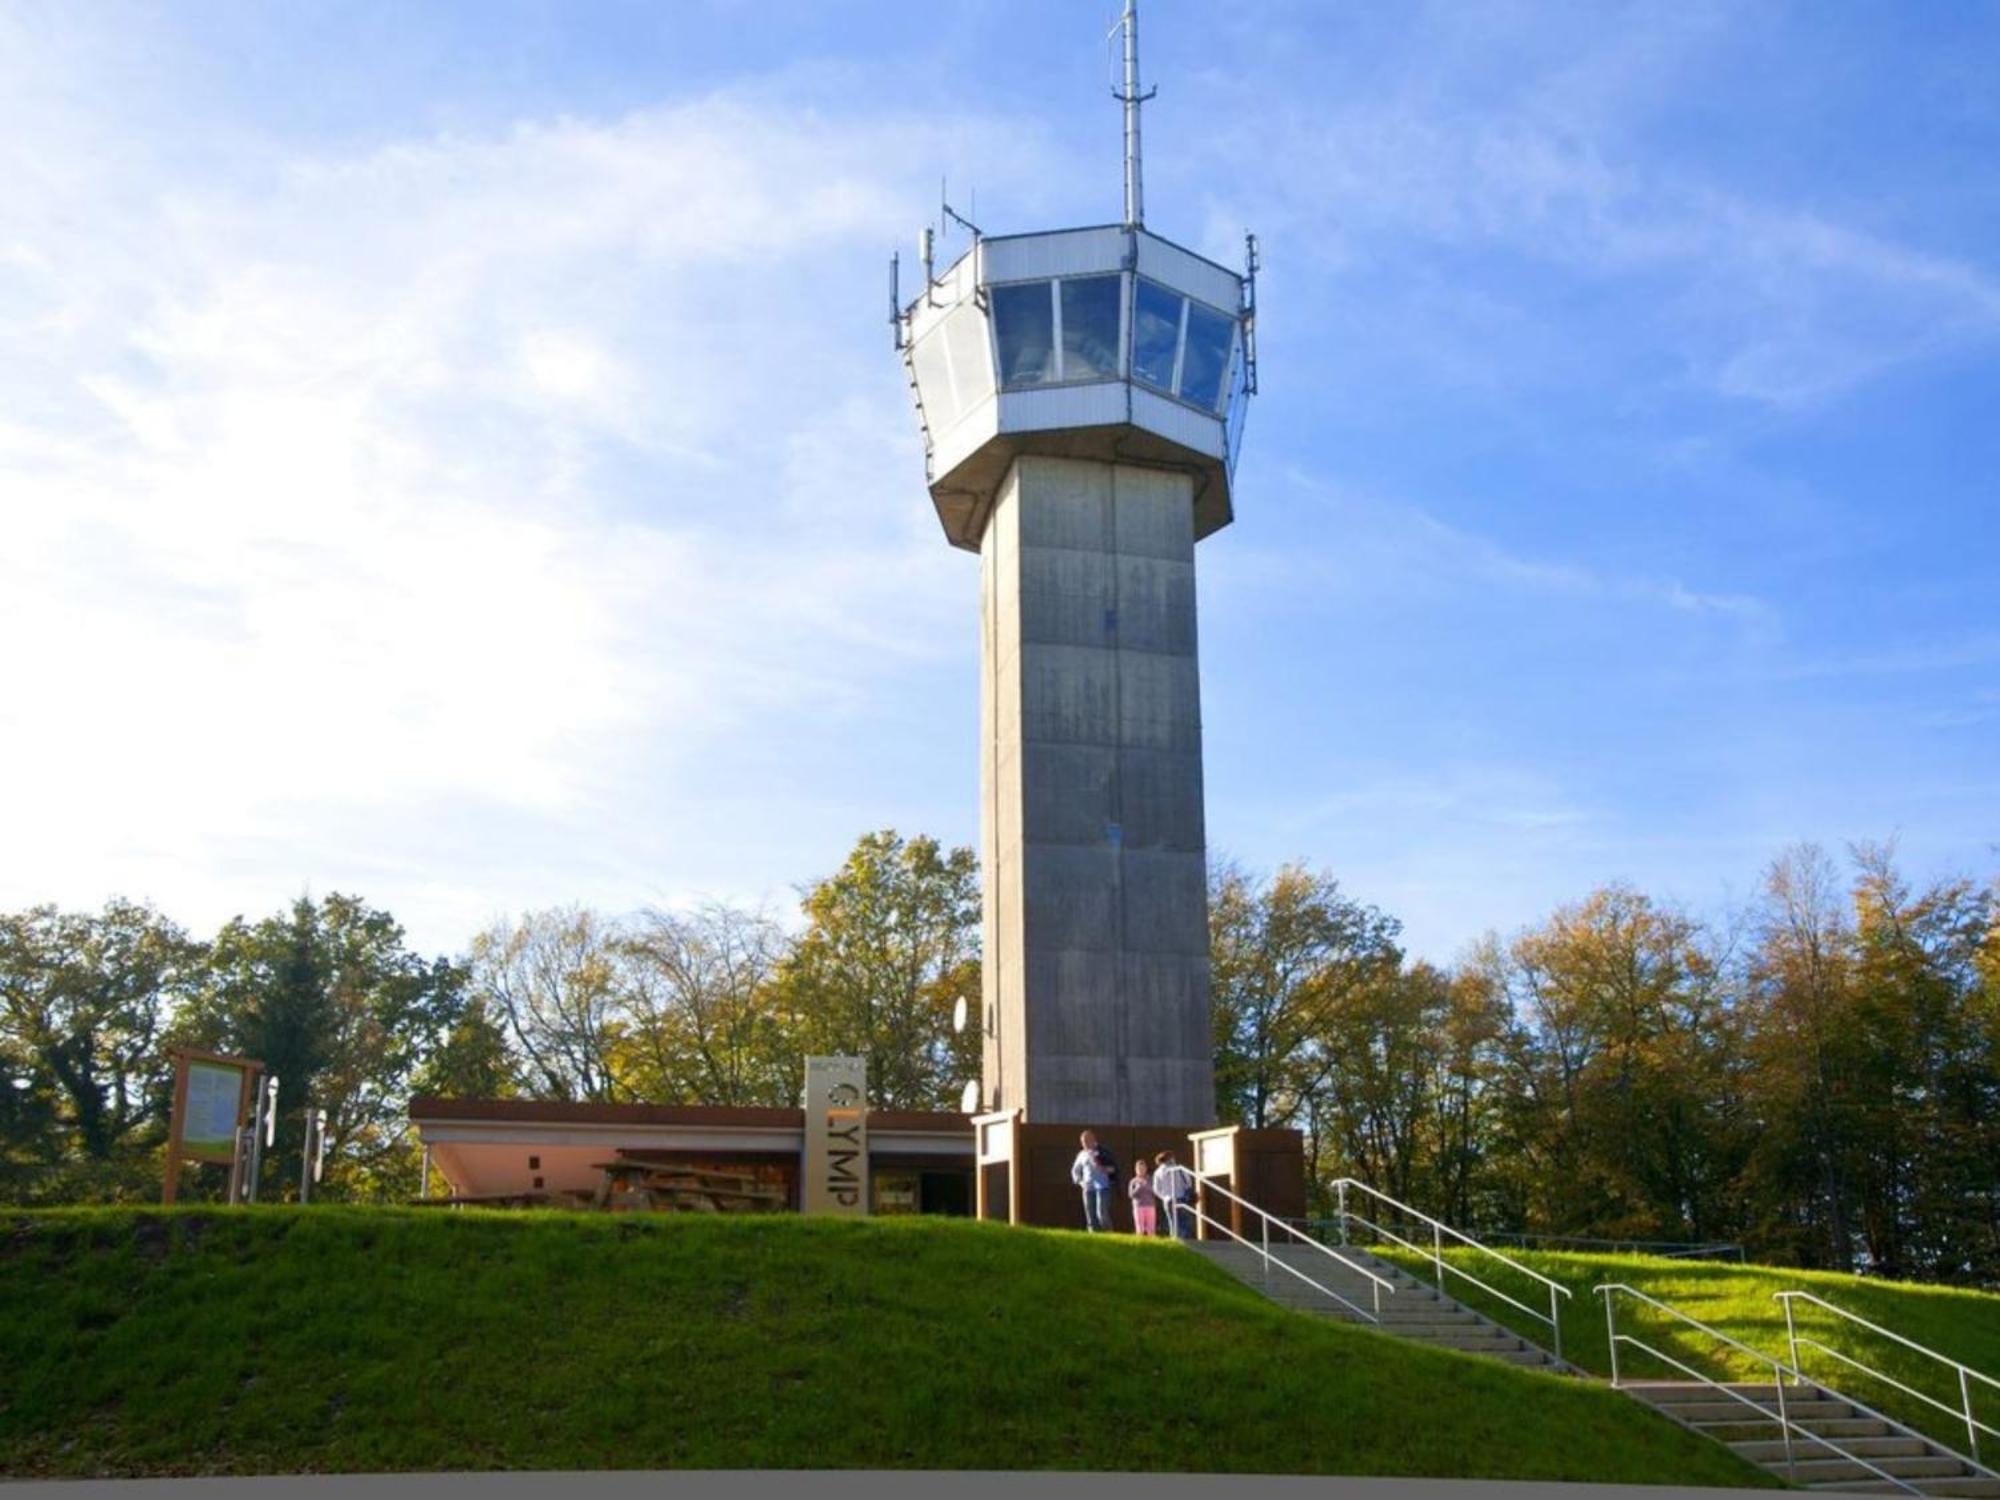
1093, 1172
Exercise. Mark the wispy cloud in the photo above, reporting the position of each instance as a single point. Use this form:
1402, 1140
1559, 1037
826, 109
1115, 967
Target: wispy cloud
1924, 658
1380, 549
451, 473
531, 511
1753, 297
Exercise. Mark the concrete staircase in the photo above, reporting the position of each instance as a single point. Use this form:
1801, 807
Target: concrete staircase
1417, 1311
1894, 1449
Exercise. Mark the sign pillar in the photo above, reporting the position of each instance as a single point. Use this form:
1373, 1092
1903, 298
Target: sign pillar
997, 1143
1215, 1156
833, 1167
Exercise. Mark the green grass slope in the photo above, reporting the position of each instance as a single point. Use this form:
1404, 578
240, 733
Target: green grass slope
330, 1339
1736, 1300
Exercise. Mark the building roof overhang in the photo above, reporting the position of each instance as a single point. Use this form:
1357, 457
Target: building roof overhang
487, 1147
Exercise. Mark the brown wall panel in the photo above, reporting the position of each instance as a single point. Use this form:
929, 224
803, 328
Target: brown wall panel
1272, 1164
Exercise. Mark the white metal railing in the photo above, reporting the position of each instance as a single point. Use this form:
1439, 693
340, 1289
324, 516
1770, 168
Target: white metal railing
1377, 1284
1966, 1374
1787, 1427
1439, 1232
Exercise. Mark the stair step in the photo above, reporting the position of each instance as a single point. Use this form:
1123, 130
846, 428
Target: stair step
1442, 1317
1725, 1415
1320, 1276
1838, 1428
1728, 1413
1825, 1470
1670, 1392
1281, 1275
1977, 1485
1298, 1291
1460, 1338
1769, 1450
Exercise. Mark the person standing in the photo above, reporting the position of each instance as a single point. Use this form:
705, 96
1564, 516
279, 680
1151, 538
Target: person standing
1093, 1171
1145, 1203
1173, 1184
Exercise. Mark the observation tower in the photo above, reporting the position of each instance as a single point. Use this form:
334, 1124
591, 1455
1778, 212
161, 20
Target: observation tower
1081, 393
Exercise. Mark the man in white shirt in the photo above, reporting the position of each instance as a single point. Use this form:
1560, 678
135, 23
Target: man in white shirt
1174, 1184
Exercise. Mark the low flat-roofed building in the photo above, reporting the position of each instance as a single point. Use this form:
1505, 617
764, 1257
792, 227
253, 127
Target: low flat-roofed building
524, 1149
544, 1151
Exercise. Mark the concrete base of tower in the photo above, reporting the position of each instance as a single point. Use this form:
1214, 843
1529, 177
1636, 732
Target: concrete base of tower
1023, 1171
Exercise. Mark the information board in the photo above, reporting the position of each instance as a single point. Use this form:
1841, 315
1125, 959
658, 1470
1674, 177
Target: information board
212, 1097
214, 1102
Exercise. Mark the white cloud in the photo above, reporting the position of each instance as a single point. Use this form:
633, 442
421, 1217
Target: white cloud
1395, 553
514, 473
488, 519
1537, 157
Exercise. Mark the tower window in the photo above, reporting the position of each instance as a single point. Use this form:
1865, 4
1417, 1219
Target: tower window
1024, 326
1090, 328
1156, 334
1205, 360
1181, 347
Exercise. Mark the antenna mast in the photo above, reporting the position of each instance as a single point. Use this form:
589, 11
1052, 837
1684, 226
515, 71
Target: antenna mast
1131, 98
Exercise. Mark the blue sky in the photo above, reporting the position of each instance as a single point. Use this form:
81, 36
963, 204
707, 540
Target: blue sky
454, 453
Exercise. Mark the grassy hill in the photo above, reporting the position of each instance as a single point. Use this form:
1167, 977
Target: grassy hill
1736, 1299
272, 1339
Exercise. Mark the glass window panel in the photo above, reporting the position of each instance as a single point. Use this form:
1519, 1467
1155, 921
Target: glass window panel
1025, 326
1090, 328
1206, 361
1156, 329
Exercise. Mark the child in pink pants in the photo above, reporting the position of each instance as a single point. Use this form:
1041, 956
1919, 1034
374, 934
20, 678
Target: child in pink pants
1145, 1203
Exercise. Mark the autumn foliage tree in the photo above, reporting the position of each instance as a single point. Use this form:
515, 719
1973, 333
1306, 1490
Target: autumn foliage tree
1815, 1077
891, 945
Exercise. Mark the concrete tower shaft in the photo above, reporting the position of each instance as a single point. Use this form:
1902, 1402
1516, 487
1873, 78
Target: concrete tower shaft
1096, 913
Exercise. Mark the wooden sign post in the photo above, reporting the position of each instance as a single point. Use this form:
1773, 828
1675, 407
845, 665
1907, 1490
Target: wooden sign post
214, 1098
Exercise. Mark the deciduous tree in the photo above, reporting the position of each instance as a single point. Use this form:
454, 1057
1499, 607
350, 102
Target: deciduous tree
891, 945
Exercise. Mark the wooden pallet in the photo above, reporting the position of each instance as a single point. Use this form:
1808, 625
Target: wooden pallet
655, 1187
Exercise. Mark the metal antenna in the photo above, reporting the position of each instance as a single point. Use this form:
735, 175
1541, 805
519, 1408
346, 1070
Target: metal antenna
1252, 262
896, 296
1131, 98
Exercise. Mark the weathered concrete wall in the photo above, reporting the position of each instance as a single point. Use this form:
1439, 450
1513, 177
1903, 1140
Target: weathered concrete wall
1096, 905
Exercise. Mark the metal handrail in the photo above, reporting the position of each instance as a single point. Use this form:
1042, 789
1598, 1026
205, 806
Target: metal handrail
1779, 1370
1269, 1260
1491, 1290
1439, 1229
1378, 1284
1966, 1374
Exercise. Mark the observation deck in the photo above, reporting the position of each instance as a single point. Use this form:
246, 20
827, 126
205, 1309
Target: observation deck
1106, 343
